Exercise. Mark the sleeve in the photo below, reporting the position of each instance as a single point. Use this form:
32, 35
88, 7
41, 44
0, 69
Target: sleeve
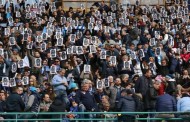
156, 62
55, 81
174, 105
178, 106
22, 105
30, 102
119, 105
77, 97
151, 93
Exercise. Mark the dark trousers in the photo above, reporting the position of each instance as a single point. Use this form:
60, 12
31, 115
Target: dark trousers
126, 118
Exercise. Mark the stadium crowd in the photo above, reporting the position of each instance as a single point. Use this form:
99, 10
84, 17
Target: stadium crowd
117, 58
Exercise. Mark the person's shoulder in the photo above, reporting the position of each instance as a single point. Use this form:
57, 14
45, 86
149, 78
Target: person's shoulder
56, 76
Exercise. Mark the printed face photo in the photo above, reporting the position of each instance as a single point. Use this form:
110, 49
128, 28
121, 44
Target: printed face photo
44, 36
92, 49
79, 50
14, 67
64, 55
12, 40
26, 36
43, 46
69, 29
141, 53
18, 14
152, 42
103, 54
60, 42
5, 81
158, 51
25, 80
126, 64
99, 84
21, 63
12, 82
86, 68
38, 62
106, 82
53, 53
85, 42
72, 38
188, 48
133, 55
74, 49
53, 70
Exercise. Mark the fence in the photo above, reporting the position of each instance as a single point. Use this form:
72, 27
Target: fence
61, 116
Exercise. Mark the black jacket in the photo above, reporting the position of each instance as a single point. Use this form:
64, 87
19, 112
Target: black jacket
150, 98
142, 84
57, 106
14, 103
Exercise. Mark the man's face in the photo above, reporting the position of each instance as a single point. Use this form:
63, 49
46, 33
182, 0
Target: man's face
132, 47
117, 81
148, 74
20, 91
62, 73
85, 87
46, 98
163, 62
2, 96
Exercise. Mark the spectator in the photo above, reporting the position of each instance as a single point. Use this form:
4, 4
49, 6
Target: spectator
11, 105
85, 100
39, 38
165, 103
45, 104
57, 106
60, 85
33, 104
126, 104
183, 106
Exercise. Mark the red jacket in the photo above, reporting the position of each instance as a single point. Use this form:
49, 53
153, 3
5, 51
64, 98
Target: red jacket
185, 57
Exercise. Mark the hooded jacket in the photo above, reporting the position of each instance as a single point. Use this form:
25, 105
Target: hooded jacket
57, 106
126, 104
14, 103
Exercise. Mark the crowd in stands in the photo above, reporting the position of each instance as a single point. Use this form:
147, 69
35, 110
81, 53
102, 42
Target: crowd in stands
112, 58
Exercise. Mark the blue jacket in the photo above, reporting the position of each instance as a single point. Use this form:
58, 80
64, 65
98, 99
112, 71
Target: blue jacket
183, 104
57, 82
165, 103
126, 104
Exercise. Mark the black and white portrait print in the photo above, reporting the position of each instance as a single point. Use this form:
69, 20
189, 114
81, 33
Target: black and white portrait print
106, 82
99, 84
53, 53
12, 82
53, 69
25, 80
38, 62
87, 68
5, 81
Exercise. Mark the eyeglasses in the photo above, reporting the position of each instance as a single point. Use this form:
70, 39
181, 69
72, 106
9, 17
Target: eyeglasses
122, 50
56, 61
111, 47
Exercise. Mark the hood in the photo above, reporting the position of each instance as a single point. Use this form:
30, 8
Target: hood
128, 98
57, 102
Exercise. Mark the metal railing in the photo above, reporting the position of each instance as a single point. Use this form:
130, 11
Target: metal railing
62, 116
